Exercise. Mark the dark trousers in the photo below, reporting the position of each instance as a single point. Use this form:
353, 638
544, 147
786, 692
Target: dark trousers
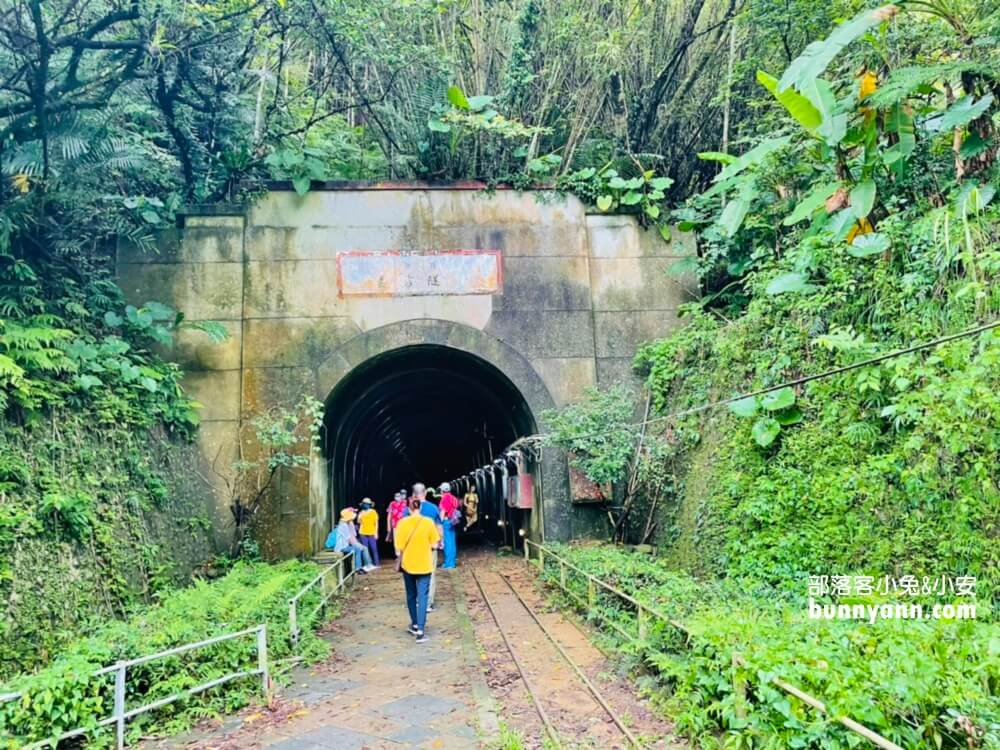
416, 597
371, 544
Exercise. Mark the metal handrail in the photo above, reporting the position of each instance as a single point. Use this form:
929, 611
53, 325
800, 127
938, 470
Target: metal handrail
643, 611
325, 595
120, 715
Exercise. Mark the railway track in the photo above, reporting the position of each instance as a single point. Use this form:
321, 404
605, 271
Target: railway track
560, 691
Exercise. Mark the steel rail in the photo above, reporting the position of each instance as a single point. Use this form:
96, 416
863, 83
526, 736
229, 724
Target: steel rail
579, 672
846, 721
542, 714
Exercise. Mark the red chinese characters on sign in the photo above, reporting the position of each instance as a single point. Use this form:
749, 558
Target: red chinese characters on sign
397, 274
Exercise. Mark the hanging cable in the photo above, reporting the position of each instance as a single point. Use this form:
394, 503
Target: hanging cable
532, 443
534, 439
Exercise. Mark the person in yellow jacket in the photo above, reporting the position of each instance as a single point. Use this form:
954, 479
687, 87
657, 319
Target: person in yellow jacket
368, 528
414, 537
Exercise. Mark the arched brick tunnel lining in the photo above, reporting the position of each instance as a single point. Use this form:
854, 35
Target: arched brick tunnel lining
423, 412
507, 373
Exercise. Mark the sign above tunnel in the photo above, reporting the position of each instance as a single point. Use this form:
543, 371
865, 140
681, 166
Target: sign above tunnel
398, 274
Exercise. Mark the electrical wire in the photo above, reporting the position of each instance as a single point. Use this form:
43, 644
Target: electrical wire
536, 438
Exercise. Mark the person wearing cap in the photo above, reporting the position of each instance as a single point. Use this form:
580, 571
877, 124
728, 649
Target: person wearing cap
344, 538
450, 518
429, 510
368, 529
397, 509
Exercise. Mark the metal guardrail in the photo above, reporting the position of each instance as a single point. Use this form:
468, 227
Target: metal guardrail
326, 593
643, 614
120, 714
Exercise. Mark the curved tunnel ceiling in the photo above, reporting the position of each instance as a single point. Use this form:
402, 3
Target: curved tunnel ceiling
424, 413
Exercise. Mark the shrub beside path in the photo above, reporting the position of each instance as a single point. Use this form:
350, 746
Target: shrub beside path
379, 690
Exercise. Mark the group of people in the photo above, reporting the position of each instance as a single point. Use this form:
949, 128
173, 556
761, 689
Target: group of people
418, 529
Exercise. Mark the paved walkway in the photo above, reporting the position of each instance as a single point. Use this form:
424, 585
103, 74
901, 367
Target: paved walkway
379, 690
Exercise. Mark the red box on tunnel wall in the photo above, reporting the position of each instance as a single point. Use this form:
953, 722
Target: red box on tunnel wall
395, 273
521, 491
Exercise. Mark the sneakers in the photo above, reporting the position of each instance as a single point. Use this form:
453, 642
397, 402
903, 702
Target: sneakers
430, 607
368, 568
412, 630
421, 638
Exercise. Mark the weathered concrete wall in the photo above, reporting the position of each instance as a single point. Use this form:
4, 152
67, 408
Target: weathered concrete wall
576, 295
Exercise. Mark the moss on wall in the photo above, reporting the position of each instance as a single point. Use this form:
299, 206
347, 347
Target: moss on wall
93, 520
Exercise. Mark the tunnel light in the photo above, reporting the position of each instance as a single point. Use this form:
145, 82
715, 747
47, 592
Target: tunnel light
520, 532
487, 518
499, 523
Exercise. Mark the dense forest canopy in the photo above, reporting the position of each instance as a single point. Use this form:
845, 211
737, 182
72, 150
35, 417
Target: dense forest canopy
836, 160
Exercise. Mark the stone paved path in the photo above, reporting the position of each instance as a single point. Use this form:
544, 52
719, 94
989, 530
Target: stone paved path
365, 697
382, 691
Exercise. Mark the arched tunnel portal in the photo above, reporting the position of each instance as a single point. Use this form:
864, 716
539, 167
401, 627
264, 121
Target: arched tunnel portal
424, 413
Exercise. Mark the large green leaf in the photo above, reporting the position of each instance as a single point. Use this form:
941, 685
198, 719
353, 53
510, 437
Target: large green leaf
973, 198
819, 54
752, 157
733, 215
478, 103
438, 126
964, 111
788, 283
863, 198
736, 210
811, 202
797, 105
457, 98
792, 415
779, 399
716, 156
865, 245
765, 430
900, 122
744, 407
833, 127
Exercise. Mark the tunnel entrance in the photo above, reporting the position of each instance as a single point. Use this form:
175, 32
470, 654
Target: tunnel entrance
424, 413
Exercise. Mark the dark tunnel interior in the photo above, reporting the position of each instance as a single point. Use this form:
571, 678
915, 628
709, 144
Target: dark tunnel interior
425, 413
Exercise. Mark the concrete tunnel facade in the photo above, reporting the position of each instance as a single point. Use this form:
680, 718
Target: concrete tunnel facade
436, 323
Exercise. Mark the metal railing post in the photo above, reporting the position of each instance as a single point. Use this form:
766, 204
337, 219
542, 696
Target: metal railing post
591, 592
293, 622
527, 550
120, 704
262, 661
643, 624
541, 559
562, 574
340, 573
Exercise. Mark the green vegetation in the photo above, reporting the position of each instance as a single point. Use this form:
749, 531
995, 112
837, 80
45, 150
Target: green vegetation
94, 516
64, 695
922, 684
838, 163
860, 221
